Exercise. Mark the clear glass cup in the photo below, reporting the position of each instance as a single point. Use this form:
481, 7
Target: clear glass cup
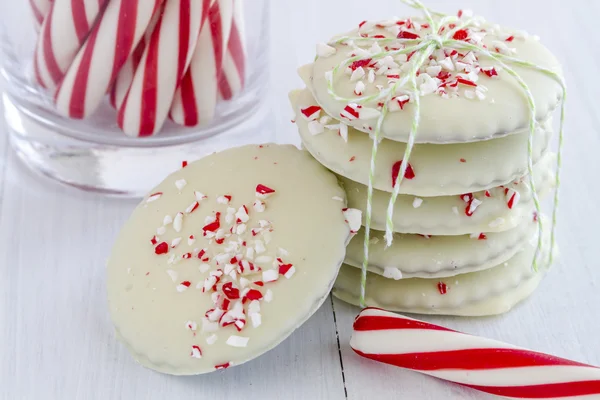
93, 154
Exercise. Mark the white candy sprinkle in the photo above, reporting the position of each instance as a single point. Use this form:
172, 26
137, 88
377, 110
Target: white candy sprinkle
254, 307
171, 259
270, 275
199, 196
325, 50
204, 267
357, 74
222, 200
212, 326
392, 273
268, 295
196, 352
237, 341
191, 240
244, 282
172, 274
175, 242
240, 229
474, 235
337, 198
371, 76
290, 272
167, 220
447, 64
178, 222
256, 319
417, 202
250, 253
191, 325
315, 128
263, 259
455, 210
344, 131
353, 218
359, 88
325, 119
181, 287
433, 71
161, 231
473, 205
211, 339
259, 247
180, 184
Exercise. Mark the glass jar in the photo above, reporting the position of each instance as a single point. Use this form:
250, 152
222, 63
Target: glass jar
84, 146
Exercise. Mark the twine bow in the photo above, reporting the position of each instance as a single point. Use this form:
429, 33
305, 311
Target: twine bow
421, 49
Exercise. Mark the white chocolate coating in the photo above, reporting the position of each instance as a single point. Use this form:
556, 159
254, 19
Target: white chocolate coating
418, 256
446, 215
438, 168
491, 291
503, 111
149, 302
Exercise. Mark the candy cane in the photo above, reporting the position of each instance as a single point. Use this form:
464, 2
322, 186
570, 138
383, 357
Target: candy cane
40, 9
63, 32
483, 364
166, 57
195, 100
107, 48
231, 81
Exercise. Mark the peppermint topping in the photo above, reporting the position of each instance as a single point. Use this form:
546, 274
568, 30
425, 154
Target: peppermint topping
392, 273
196, 352
154, 197
180, 184
442, 288
353, 218
409, 173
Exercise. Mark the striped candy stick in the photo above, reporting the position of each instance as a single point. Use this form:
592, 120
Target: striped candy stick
39, 9
165, 59
233, 73
125, 76
108, 46
65, 28
196, 99
483, 364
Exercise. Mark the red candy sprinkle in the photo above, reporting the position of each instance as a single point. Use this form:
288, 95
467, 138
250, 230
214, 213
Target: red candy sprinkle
154, 240
352, 158
262, 189
535, 216
360, 63
259, 283
213, 226
408, 174
463, 160
407, 35
442, 288
460, 34
361, 24
284, 268
482, 236
186, 256
465, 82
488, 194
186, 283
254, 294
222, 366
310, 110
184, 164
231, 292
443, 75
510, 38
490, 72
162, 248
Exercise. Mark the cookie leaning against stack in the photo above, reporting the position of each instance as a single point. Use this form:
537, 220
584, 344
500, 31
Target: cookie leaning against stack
464, 222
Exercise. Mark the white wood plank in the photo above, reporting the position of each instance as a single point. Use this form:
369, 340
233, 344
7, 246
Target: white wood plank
57, 338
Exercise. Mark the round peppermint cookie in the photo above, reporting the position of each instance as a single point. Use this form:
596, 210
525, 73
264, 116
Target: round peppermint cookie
227, 257
465, 94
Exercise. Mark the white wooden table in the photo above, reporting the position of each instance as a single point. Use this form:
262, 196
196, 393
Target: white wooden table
56, 340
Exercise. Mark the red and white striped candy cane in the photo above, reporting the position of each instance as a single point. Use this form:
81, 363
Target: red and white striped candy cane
195, 101
166, 58
63, 32
483, 364
40, 9
233, 73
108, 46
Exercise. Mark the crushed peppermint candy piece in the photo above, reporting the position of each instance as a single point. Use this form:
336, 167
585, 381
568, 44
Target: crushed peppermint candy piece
175, 242
263, 191
237, 341
172, 274
270, 275
350, 112
196, 352
191, 325
315, 128
311, 113
154, 197
212, 339
287, 270
353, 218
161, 230
472, 206
161, 248
268, 295
167, 220
417, 202
180, 184
392, 273
512, 198
225, 199
259, 206
409, 173
183, 286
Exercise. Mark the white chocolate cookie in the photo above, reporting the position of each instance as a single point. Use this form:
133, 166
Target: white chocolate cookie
436, 170
493, 210
462, 98
491, 291
424, 256
226, 258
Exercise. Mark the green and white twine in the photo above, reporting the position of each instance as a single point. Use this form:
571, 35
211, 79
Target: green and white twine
423, 48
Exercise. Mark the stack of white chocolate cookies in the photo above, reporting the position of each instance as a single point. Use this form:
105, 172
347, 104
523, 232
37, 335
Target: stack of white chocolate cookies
465, 226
